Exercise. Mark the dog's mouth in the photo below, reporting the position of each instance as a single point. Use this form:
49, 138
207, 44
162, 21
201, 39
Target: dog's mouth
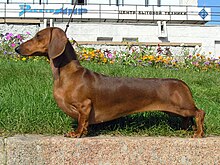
18, 50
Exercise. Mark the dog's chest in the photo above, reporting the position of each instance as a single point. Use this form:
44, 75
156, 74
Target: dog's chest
65, 103
66, 92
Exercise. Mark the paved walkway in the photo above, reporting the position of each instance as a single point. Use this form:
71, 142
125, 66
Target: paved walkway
106, 150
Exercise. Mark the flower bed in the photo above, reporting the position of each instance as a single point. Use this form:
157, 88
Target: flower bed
135, 56
150, 56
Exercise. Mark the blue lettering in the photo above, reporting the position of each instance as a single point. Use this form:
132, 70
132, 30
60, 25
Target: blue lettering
75, 11
27, 9
64, 11
49, 10
84, 11
24, 9
69, 11
34, 11
58, 11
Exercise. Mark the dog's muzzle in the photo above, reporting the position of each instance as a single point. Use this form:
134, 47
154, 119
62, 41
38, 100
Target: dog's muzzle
17, 49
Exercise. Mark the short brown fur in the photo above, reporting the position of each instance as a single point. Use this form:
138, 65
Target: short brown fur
93, 98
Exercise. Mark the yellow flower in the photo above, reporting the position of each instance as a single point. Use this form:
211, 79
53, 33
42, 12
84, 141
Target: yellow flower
93, 54
98, 50
101, 55
169, 59
165, 61
105, 60
144, 58
84, 50
85, 56
202, 57
151, 57
111, 62
159, 57
24, 59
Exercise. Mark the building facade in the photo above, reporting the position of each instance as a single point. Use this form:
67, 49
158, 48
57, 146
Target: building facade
110, 2
172, 23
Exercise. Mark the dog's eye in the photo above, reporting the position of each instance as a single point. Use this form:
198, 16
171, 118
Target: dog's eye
37, 35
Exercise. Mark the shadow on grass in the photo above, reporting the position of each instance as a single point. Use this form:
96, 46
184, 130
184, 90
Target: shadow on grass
143, 124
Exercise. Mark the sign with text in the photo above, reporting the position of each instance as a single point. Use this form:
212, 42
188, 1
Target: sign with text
181, 13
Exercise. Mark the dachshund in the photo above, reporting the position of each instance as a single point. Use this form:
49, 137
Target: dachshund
92, 98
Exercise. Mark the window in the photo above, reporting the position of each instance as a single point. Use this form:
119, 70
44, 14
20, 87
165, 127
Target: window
162, 29
105, 39
217, 48
129, 39
146, 2
159, 3
80, 2
117, 2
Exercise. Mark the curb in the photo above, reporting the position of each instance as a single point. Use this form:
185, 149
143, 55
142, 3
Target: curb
2, 152
105, 150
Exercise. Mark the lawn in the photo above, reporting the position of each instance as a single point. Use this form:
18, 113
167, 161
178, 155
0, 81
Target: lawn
27, 104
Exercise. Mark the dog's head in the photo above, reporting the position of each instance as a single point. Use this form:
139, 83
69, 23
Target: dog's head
49, 42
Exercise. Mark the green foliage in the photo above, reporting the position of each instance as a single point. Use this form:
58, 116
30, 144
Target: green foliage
27, 104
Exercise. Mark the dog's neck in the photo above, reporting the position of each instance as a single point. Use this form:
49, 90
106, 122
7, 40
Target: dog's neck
66, 62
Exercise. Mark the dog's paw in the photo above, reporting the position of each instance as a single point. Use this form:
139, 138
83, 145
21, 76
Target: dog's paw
72, 135
198, 135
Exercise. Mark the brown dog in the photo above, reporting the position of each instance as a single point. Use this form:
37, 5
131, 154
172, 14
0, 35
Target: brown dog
93, 98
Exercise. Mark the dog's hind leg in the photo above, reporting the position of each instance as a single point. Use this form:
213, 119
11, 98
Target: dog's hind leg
188, 113
199, 118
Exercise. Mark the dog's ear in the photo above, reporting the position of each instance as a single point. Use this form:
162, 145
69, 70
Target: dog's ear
57, 43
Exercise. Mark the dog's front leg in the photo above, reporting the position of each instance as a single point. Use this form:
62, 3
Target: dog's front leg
83, 117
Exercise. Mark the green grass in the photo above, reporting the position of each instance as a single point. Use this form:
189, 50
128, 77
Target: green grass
27, 104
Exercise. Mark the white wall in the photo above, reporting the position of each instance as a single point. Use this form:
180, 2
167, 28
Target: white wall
132, 2
152, 2
55, 1
207, 35
189, 2
100, 1
19, 29
169, 2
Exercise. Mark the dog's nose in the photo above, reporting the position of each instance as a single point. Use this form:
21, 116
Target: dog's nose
17, 49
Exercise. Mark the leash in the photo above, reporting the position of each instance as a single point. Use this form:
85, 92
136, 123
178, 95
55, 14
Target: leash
67, 25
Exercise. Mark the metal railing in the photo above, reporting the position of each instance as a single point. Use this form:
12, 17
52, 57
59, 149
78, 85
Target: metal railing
105, 12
